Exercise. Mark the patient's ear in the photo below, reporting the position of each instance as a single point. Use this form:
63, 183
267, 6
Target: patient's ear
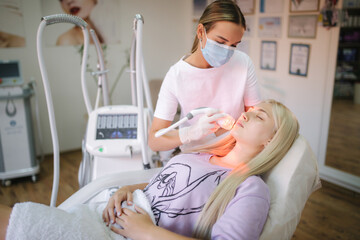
267, 142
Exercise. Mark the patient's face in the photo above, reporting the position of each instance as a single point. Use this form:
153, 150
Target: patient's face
80, 8
255, 127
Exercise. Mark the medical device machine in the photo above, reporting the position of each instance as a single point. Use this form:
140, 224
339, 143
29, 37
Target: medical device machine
116, 137
113, 142
227, 122
114, 133
17, 146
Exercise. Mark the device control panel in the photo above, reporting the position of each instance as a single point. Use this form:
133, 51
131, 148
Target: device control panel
112, 131
116, 126
10, 74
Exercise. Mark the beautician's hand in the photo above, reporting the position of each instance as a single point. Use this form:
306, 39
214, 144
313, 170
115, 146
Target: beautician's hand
203, 127
123, 194
136, 225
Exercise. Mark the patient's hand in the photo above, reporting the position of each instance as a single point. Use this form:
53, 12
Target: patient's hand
123, 194
136, 225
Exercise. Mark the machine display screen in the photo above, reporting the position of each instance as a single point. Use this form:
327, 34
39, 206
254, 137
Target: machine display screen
9, 70
116, 126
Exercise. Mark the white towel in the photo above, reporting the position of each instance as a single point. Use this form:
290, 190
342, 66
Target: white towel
37, 221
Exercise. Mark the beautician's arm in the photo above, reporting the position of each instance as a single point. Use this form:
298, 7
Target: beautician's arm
171, 139
165, 142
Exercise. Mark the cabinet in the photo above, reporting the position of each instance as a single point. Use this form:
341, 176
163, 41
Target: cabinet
348, 60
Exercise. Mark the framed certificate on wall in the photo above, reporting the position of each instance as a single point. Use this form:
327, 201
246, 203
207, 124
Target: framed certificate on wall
268, 55
302, 26
304, 5
299, 59
246, 6
269, 27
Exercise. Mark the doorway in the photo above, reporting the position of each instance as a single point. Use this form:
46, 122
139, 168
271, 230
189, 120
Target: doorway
343, 148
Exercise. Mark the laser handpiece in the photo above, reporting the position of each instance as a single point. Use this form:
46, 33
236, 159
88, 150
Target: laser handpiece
226, 122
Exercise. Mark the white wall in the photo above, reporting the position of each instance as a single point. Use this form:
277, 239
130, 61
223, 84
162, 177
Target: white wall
167, 37
310, 98
305, 96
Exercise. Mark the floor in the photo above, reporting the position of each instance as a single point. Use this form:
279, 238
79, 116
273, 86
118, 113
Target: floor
330, 213
343, 151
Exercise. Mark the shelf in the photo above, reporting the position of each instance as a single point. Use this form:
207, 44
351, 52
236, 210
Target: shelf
349, 28
350, 62
347, 81
347, 74
349, 44
343, 97
352, 10
350, 19
344, 79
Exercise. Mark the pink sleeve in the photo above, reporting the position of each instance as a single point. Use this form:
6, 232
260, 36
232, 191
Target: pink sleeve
167, 102
245, 216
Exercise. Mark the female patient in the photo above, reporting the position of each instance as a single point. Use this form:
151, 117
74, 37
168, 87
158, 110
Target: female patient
214, 194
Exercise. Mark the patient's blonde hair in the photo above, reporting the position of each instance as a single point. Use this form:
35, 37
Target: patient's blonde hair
287, 130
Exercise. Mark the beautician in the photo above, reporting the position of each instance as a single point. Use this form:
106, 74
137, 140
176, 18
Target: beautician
214, 75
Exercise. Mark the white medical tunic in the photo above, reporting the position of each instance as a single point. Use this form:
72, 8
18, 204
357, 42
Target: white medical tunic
227, 88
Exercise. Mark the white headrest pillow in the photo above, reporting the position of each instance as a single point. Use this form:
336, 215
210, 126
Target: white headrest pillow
290, 182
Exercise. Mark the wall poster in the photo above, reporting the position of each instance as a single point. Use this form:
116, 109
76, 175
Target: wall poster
299, 59
12, 29
304, 5
268, 55
107, 28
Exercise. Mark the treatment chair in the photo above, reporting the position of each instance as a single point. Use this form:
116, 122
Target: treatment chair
290, 182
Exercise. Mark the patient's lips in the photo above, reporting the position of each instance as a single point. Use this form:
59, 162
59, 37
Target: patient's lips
240, 124
74, 10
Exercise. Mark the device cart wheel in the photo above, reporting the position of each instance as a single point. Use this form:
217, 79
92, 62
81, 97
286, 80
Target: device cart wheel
33, 178
6, 183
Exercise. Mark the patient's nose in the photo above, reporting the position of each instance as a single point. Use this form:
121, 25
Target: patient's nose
244, 116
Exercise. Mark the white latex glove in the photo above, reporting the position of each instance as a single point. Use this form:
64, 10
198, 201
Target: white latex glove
203, 127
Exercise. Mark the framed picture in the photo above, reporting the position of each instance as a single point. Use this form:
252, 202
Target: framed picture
302, 26
63, 34
271, 6
299, 59
304, 5
269, 27
246, 6
268, 55
12, 25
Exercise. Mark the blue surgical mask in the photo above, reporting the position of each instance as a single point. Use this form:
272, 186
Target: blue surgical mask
216, 54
